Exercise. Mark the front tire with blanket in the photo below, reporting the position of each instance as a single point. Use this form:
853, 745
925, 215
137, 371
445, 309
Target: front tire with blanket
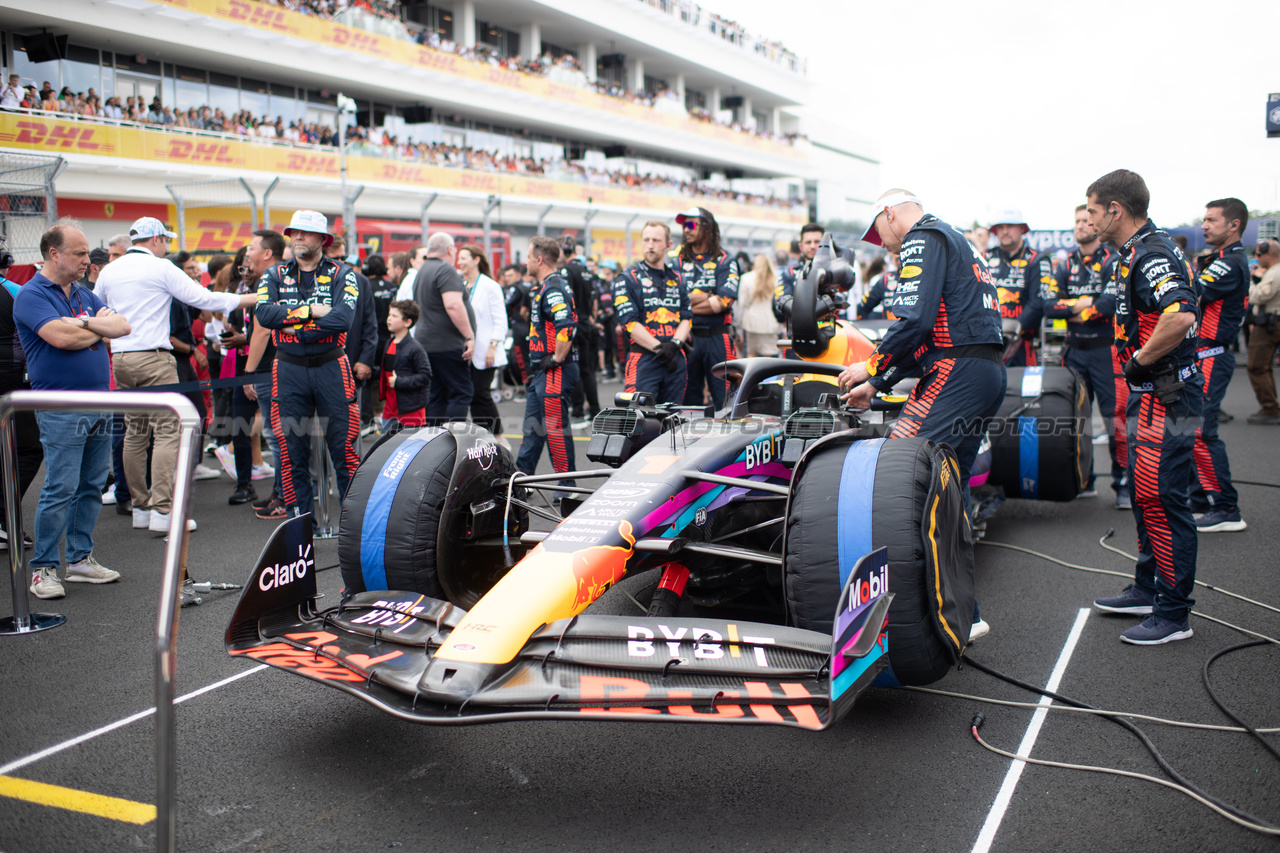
424, 514
850, 497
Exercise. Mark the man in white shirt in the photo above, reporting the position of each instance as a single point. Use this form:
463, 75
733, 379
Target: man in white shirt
11, 94
146, 284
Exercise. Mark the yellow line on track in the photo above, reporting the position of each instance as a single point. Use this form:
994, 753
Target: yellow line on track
112, 808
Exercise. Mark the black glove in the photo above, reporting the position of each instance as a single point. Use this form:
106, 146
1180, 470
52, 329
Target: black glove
548, 362
1135, 373
668, 353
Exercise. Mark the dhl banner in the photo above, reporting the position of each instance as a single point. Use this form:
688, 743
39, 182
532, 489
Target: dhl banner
65, 136
309, 28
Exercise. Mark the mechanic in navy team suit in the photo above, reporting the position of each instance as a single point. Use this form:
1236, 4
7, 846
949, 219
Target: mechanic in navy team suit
653, 306
554, 371
1224, 299
950, 332
1155, 331
1020, 273
784, 292
712, 278
309, 303
883, 292
1084, 294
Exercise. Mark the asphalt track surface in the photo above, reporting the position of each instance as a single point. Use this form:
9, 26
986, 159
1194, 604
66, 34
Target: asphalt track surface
273, 762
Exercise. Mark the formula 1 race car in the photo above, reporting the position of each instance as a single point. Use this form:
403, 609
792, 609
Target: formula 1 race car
764, 564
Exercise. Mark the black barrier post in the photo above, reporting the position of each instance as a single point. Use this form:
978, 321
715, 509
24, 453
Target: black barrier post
166, 638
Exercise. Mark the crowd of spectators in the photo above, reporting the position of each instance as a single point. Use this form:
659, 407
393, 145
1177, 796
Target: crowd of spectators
375, 142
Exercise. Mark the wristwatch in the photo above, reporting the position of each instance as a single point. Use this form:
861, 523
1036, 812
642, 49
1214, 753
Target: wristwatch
84, 322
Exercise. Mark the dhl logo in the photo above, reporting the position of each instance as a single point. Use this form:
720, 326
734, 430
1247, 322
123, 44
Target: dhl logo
355, 40
661, 317
218, 236
312, 164
401, 173
199, 152
258, 15
38, 134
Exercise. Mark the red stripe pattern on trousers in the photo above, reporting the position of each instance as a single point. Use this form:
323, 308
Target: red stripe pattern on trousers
1120, 435
919, 404
351, 459
287, 493
629, 375
552, 407
730, 353
1204, 462
1146, 484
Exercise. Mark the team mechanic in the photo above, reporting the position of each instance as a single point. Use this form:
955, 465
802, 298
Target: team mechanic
1224, 299
883, 292
1021, 273
652, 302
949, 328
309, 303
1084, 294
712, 279
1155, 331
784, 291
552, 322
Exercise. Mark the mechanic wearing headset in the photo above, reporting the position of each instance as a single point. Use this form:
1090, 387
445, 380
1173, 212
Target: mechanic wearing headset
712, 279
784, 292
1084, 294
553, 365
653, 306
1020, 273
1224, 298
1155, 331
309, 303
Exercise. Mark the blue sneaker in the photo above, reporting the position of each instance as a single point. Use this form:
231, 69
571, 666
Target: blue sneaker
1123, 501
1156, 630
1220, 521
1134, 601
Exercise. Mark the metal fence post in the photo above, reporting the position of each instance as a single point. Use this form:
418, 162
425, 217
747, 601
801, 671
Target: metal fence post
166, 638
23, 621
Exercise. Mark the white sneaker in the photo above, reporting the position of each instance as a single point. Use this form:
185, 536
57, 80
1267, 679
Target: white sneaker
160, 522
227, 458
45, 583
141, 518
90, 570
109, 496
263, 472
204, 472
979, 630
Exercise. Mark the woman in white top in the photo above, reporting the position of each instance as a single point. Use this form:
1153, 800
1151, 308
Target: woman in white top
491, 333
754, 312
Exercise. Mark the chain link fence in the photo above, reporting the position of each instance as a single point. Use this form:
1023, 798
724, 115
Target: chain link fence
28, 204
227, 200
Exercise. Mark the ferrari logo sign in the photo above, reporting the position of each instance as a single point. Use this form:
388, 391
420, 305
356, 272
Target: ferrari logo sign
109, 209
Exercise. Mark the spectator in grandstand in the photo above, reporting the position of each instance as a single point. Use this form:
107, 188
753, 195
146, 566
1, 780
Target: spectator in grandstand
553, 365
13, 377
12, 94
142, 285
1224, 298
652, 302
1264, 335
362, 340
309, 303
712, 279
1020, 273
753, 315
445, 331
485, 296
61, 328
405, 375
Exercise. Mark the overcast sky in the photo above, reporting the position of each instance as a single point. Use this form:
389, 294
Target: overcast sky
980, 106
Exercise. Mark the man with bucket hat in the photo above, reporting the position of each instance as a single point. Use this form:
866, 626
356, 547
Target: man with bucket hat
1020, 273
142, 285
309, 303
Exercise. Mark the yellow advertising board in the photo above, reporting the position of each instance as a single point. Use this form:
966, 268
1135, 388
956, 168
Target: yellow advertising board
312, 29
65, 136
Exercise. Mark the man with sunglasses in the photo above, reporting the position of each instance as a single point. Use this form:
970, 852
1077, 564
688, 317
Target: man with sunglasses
1264, 338
712, 279
62, 327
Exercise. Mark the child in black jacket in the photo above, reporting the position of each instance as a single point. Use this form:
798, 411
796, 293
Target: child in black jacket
406, 372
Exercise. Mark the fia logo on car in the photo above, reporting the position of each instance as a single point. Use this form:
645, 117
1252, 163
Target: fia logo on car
700, 517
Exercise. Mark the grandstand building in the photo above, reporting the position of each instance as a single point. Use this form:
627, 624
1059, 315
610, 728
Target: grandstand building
500, 118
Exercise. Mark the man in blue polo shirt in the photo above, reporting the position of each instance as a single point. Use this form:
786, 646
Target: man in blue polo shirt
62, 326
